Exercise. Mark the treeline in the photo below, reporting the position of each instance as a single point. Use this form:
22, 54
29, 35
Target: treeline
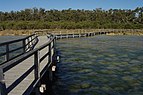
72, 19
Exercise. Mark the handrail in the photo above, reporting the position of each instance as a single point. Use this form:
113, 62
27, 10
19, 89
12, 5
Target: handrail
13, 41
37, 73
27, 44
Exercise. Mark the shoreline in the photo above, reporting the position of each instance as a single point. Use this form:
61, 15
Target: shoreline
71, 31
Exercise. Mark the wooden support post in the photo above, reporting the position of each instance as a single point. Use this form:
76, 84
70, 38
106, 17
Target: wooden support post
2, 83
24, 46
28, 44
54, 41
49, 60
30, 39
37, 71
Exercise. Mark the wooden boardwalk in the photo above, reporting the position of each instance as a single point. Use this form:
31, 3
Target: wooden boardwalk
12, 75
78, 35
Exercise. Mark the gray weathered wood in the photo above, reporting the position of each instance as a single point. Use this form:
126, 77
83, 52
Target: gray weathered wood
15, 72
7, 50
37, 71
2, 83
24, 46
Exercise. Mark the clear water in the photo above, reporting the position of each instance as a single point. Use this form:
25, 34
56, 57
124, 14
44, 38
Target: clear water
101, 65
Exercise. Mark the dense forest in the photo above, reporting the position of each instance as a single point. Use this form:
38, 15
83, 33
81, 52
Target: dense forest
72, 19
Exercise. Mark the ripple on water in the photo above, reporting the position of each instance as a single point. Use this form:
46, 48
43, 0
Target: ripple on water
102, 65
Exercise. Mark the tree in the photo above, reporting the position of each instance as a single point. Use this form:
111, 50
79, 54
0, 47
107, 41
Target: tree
70, 19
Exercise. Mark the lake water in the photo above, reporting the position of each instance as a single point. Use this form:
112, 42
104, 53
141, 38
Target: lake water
100, 65
9, 38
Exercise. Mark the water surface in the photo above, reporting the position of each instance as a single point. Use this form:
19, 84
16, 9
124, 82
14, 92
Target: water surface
100, 65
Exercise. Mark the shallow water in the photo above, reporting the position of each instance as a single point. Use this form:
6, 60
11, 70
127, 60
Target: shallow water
100, 65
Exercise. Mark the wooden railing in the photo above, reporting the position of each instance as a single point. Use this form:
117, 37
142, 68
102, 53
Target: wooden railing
77, 33
38, 74
23, 45
74, 34
83, 31
89, 34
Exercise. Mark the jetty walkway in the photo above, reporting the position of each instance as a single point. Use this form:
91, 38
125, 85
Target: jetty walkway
30, 72
22, 74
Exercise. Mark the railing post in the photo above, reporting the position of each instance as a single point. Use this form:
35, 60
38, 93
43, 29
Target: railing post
50, 61
7, 52
52, 49
28, 41
54, 56
50, 53
31, 42
37, 71
2, 83
35, 38
24, 46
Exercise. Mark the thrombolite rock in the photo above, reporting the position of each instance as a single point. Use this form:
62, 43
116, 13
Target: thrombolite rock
140, 57
135, 61
108, 69
85, 85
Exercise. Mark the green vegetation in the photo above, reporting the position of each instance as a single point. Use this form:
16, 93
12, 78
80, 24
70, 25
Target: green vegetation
72, 19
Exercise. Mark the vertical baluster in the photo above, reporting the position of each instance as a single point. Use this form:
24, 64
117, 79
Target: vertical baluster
2, 83
50, 61
31, 42
24, 46
35, 39
52, 50
27, 44
37, 71
50, 53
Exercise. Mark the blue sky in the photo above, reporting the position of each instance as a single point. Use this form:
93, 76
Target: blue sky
9, 5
